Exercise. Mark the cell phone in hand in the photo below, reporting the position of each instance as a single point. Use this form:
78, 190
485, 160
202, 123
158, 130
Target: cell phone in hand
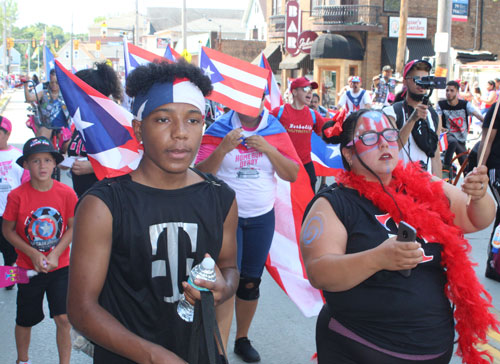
406, 233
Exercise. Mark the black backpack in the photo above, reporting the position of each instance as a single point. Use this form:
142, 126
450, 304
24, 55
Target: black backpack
424, 136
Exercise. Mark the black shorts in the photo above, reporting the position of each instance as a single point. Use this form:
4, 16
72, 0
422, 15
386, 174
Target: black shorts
30, 297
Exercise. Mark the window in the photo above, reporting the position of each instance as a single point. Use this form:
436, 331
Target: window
276, 7
255, 33
392, 6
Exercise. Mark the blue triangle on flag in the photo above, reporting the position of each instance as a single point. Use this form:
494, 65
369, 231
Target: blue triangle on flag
209, 69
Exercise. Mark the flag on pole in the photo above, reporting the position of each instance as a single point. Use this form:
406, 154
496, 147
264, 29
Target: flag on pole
136, 56
237, 84
273, 94
284, 262
49, 61
171, 54
105, 127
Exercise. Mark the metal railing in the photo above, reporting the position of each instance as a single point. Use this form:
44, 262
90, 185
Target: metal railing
277, 23
367, 15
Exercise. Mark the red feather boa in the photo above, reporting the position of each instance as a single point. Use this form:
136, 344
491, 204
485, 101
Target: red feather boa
425, 206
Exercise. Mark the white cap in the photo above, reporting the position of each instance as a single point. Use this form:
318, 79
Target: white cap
208, 263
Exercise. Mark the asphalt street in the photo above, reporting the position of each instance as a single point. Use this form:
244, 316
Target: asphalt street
279, 332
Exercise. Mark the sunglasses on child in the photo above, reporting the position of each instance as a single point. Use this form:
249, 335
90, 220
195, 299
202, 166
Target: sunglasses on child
372, 137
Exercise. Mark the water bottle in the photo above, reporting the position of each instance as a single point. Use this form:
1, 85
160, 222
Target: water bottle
205, 270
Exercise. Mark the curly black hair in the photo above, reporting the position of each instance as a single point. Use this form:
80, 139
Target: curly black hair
104, 79
144, 77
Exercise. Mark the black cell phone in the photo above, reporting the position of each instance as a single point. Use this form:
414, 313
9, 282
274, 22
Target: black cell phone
406, 233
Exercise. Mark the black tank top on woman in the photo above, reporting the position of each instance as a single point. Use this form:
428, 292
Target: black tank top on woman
158, 236
405, 315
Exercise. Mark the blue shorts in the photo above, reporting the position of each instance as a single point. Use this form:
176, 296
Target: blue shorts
255, 235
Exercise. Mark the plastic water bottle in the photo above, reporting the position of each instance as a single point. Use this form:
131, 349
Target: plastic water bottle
205, 270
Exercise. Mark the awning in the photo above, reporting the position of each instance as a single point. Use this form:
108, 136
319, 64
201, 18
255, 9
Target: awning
292, 63
273, 54
418, 49
337, 46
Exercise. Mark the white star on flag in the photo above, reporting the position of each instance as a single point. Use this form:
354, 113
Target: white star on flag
81, 124
335, 150
208, 72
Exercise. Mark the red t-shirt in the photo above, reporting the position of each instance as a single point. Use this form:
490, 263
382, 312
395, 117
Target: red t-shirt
299, 125
41, 218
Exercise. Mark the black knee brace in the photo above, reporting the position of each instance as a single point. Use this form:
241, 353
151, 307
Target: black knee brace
248, 289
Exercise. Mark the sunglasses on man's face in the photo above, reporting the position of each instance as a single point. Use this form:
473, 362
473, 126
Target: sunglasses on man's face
306, 89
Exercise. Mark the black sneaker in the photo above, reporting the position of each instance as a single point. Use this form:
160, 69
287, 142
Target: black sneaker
245, 350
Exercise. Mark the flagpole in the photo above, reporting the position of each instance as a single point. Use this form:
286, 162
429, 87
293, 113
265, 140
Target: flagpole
29, 60
71, 41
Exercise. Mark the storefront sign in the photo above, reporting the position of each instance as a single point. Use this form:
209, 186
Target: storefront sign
415, 28
459, 10
293, 27
306, 40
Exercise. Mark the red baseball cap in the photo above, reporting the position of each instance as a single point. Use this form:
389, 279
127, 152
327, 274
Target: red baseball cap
411, 64
303, 82
5, 124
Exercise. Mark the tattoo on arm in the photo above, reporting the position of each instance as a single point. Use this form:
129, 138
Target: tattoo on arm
312, 230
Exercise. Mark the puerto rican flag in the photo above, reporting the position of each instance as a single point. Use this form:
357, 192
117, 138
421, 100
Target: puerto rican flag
273, 94
135, 56
443, 142
171, 54
49, 61
105, 127
284, 261
237, 84
326, 158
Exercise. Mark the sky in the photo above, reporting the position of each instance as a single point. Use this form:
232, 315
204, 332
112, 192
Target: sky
59, 12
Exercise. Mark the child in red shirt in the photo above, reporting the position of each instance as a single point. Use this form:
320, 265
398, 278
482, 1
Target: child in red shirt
38, 222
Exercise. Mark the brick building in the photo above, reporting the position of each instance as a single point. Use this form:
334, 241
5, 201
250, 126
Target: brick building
360, 36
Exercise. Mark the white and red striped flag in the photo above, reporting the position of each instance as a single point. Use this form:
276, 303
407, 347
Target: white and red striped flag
135, 56
443, 142
237, 84
273, 94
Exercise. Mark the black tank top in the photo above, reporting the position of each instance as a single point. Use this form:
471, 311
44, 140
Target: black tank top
158, 236
406, 315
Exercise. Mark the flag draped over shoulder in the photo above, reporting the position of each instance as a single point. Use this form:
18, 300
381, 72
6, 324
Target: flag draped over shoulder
135, 56
284, 261
273, 94
237, 84
105, 127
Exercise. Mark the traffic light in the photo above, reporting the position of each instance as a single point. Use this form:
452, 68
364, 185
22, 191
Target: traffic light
10, 43
76, 43
97, 45
56, 43
33, 43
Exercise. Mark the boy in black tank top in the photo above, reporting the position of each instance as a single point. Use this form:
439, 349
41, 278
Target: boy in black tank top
139, 235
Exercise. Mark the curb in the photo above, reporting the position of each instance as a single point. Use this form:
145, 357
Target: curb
4, 101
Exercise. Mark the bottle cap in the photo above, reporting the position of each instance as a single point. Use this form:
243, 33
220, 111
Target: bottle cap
208, 263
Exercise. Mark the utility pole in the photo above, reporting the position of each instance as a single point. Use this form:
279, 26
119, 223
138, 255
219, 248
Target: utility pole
71, 43
136, 38
183, 15
443, 37
4, 36
403, 21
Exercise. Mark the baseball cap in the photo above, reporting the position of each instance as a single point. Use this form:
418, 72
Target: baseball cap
39, 145
411, 64
387, 68
5, 124
303, 82
355, 79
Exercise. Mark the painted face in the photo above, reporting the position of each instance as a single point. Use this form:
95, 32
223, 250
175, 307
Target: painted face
171, 135
451, 93
40, 165
381, 155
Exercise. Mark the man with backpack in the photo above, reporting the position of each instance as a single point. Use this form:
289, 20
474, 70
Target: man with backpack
454, 115
300, 121
418, 123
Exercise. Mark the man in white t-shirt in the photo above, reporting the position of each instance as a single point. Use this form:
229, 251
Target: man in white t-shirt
355, 98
